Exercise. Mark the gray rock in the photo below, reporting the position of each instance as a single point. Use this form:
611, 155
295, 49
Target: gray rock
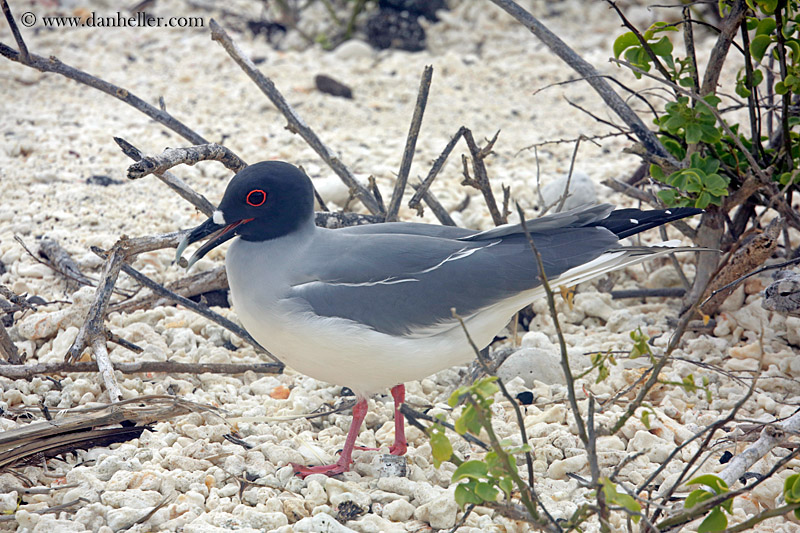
581, 191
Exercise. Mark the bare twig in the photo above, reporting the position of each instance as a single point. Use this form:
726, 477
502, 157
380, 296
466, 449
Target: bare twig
63, 262
481, 179
190, 155
52, 64
209, 280
296, 124
19, 371
438, 209
172, 181
413, 203
411, 142
569, 175
92, 332
25, 56
8, 350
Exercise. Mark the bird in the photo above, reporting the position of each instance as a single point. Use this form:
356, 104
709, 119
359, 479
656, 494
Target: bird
372, 307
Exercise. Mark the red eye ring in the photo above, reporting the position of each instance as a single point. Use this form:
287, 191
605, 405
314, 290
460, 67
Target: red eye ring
256, 203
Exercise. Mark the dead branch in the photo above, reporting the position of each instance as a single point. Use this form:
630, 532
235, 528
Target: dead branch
730, 26
411, 142
20, 371
92, 332
63, 263
747, 258
423, 187
437, 208
296, 124
598, 83
190, 155
25, 56
209, 280
52, 64
8, 350
481, 179
172, 181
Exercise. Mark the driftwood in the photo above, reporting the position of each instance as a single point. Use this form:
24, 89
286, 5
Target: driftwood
185, 156
80, 427
209, 280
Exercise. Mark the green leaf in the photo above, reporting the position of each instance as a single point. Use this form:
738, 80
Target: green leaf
767, 7
486, 387
715, 521
781, 88
506, 485
623, 42
766, 26
464, 495
668, 196
758, 46
791, 489
656, 173
441, 449
715, 483
662, 47
693, 133
471, 469
486, 491
695, 497
646, 418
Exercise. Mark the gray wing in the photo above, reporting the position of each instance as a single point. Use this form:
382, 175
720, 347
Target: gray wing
403, 283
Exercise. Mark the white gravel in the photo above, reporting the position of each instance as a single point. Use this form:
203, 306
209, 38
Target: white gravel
56, 134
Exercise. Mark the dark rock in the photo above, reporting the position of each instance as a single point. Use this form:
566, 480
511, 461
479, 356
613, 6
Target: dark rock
328, 85
395, 29
218, 298
525, 398
419, 8
103, 181
2, 268
272, 31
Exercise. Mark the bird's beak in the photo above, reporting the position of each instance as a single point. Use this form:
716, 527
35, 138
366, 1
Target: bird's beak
219, 234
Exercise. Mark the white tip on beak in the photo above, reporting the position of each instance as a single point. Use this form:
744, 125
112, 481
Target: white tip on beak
218, 218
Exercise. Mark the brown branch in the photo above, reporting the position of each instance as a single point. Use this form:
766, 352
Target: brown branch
422, 188
25, 56
63, 263
172, 181
52, 64
209, 280
18, 371
8, 350
190, 155
730, 26
481, 179
296, 124
411, 142
437, 208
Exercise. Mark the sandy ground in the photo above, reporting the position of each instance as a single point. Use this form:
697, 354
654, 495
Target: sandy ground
56, 134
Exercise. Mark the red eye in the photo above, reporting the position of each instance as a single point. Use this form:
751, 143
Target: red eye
256, 197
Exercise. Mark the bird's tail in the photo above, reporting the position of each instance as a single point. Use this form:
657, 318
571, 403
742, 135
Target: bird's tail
627, 222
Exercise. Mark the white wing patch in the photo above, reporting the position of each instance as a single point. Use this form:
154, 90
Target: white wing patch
388, 281
455, 256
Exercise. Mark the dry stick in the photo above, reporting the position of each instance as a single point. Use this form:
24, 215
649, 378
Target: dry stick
569, 175
411, 143
63, 262
438, 209
702, 448
588, 438
92, 332
423, 187
209, 280
481, 179
771, 436
18, 371
194, 306
720, 50
701, 509
598, 83
8, 350
190, 155
52, 64
412, 415
172, 181
296, 124
23, 48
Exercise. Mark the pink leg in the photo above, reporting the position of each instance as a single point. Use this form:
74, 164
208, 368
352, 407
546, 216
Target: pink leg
346, 457
400, 445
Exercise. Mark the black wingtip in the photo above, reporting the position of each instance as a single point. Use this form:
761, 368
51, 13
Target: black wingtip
627, 222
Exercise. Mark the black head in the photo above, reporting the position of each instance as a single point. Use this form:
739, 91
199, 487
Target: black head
264, 201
